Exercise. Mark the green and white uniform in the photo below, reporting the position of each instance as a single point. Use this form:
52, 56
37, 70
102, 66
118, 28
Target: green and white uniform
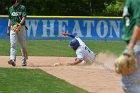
15, 16
17, 13
131, 17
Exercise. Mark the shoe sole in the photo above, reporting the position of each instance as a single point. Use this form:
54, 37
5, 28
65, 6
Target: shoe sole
24, 64
11, 63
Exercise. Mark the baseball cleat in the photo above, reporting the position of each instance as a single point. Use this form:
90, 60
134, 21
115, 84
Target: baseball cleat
11, 62
24, 62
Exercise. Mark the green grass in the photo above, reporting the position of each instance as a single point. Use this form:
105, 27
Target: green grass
14, 80
114, 47
60, 48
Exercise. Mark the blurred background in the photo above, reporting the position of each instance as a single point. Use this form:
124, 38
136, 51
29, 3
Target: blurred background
42, 43
68, 7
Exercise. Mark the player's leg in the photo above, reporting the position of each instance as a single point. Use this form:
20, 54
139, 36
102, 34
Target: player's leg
132, 89
89, 58
22, 42
13, 40
131, 83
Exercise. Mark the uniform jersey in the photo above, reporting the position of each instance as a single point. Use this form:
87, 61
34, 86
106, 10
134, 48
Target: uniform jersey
131, 17
84, 53
80, 41
17, 13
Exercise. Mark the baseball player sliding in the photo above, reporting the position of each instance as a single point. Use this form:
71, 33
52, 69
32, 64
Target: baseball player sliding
16, 30
84, 54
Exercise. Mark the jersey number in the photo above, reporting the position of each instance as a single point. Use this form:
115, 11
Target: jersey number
86, 48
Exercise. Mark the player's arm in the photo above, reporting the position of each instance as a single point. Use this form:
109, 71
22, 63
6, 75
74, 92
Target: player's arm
75, 62
66, 34
9, 24
135, 37
24, 14
8, 27
22, 21
78, 59
136, 31
9, 21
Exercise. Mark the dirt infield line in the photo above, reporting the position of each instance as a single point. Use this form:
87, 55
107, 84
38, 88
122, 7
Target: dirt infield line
94, 78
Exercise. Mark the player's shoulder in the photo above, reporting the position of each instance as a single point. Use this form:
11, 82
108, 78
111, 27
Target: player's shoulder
22, 6
132, 2
80, 49
76, 37
10, 7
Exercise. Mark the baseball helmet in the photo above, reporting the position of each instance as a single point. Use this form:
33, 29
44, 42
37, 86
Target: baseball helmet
74, 43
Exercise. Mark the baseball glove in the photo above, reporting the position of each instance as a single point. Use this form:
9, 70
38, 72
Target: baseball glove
17, 28
126, 64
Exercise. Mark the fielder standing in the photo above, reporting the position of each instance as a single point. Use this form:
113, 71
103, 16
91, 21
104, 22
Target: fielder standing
84, 54
17, 15
131, 35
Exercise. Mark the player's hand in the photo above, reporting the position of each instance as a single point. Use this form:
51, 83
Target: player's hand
126, 64
70, 64
64, 34
128, 52
8, 31
17, 28
57, 64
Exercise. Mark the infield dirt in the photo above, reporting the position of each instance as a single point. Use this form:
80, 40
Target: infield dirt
99, 77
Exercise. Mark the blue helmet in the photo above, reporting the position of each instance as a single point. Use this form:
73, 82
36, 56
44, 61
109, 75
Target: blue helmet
74, 43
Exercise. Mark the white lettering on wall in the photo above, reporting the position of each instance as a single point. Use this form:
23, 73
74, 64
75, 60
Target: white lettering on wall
89, 24
53, 28
62, 24
115, 27
102, 32
48, 25
32, 26
77, 29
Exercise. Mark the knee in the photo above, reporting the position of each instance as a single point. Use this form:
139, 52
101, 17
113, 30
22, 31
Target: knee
13, 45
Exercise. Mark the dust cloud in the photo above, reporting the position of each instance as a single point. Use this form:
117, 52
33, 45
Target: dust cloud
105, 60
